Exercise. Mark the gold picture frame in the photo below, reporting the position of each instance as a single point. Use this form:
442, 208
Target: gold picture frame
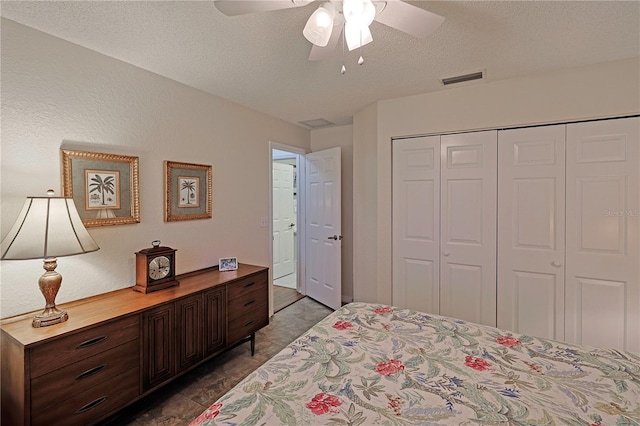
188, 190
104, 187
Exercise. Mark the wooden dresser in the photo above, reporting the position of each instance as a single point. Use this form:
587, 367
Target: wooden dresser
120, 346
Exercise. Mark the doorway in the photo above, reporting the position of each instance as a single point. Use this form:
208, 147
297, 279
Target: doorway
286, 216
306, 243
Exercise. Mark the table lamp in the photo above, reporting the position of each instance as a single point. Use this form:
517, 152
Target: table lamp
48, 227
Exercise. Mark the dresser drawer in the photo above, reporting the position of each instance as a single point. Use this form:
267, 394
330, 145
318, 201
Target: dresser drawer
247, 285
248, 302
82, 375
71, 349
93, 404
248, 324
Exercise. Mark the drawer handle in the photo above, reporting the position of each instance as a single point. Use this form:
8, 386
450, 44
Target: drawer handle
91, 342
91, 371
247, 285
91, 405
250, 303
249, 323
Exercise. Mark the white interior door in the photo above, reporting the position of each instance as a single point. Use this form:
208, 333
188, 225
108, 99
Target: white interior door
323, 227
283, 220
416, 223
603, 255
468, 226
531, 170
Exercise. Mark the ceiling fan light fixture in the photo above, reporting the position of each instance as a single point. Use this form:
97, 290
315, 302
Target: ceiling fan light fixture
359, 12
356, 37
320, 25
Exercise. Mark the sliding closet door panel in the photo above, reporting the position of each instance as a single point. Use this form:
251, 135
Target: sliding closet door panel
416, 223
603, 233
531, 188
468, 226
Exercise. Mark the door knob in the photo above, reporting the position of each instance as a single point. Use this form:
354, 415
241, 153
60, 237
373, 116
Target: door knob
335, 237
446, 253
556, 264
292, 225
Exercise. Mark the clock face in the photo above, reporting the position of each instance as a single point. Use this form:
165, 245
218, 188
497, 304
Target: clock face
159, 267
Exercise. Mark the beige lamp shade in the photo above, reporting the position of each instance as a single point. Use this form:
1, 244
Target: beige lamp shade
47, 227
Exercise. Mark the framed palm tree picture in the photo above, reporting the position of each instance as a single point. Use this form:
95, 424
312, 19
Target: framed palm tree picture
189, 187
188, 191
104, 187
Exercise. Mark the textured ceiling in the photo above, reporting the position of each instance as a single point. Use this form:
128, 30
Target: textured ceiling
260, 60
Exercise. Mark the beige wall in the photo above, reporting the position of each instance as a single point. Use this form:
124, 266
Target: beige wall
365, 235
55, 93
342, 137
600, 90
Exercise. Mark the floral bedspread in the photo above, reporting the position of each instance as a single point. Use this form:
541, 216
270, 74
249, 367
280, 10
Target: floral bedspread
373, 364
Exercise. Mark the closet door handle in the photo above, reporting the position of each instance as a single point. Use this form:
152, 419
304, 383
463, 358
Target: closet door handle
556, 264
445, 253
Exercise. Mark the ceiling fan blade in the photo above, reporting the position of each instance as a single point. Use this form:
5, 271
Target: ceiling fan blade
409, 19
241, 7
321, 53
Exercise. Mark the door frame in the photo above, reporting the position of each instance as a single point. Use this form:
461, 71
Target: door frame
300, 218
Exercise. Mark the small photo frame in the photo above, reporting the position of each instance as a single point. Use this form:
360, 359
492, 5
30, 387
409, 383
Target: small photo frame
228, 264
188, 191
104, 187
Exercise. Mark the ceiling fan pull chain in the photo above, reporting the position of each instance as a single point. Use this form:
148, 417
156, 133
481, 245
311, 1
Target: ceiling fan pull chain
360, 59
343, 70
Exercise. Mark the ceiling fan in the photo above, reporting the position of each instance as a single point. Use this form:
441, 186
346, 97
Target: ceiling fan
332, 17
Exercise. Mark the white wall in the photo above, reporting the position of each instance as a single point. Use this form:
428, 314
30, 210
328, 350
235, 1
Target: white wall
600, 90
55, 93
342, 136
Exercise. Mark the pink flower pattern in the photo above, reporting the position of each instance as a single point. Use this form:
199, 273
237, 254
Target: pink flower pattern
508, 341
476, 363
210, 413
389, 368
323, 403
343, 325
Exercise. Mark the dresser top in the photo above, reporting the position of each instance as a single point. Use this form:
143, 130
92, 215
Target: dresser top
119, 303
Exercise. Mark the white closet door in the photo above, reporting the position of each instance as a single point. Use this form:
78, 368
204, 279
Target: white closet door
603, 211
531, 185
416, 223
468, 226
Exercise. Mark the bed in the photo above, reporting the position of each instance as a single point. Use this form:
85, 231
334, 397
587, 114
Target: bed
374, 364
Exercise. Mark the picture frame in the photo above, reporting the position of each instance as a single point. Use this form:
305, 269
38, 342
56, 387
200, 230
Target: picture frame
228, 264
188, 191
104, 187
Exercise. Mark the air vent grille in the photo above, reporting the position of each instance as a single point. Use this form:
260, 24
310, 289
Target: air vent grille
317, 122
462, 78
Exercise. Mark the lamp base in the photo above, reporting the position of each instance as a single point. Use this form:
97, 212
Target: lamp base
49, 316
49, 284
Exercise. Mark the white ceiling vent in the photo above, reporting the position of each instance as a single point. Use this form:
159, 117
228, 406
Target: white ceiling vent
316, 123
478, 75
